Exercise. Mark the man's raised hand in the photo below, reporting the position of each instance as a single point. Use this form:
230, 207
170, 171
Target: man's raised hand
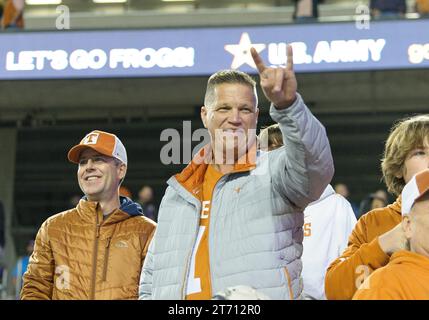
279, 84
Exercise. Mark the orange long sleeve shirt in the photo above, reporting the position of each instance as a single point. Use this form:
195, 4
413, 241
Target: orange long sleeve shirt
363, 254
405, 277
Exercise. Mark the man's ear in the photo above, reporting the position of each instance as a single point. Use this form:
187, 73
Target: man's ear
122, 171
204, 116
406, 226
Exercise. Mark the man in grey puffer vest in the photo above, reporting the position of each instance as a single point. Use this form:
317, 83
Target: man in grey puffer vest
233, 216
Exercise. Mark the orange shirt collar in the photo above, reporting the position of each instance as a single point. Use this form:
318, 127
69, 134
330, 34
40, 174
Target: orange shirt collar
192, 177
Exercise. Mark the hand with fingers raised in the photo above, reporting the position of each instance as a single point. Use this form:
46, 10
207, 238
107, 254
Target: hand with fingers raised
279, 84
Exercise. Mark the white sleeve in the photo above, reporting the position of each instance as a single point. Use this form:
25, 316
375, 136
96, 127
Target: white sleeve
346, 221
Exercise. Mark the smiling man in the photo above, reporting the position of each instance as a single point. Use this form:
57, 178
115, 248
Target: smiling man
96, 250
234, 216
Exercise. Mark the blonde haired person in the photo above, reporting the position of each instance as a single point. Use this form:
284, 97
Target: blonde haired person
378, 234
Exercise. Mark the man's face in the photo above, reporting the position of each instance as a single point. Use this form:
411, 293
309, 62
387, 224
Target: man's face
231, 119
417, 160
416, 227
99, 175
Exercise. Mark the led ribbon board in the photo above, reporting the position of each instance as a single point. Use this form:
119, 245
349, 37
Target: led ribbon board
202, 51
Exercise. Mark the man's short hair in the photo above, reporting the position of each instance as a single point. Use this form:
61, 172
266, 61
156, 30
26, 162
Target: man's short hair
407, 134
230, 77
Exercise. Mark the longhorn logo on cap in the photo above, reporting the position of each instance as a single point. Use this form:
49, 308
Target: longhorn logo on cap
91, 138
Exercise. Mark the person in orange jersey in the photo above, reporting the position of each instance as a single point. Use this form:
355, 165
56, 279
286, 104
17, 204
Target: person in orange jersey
378, 234
406, 276
96, 250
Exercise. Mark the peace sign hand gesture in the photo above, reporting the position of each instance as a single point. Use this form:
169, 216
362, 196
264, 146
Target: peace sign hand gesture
279, 84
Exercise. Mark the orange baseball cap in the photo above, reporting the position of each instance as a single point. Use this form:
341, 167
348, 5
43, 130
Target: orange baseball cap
102, 142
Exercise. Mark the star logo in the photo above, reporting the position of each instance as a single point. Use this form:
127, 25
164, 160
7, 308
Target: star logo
241, 51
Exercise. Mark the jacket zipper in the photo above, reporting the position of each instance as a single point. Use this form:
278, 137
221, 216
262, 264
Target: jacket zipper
188, 260
94, 259
185, 282
210, 233
106, 257
188, 263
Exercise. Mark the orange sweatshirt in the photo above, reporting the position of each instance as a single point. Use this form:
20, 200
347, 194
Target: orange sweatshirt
406, 277
363, 254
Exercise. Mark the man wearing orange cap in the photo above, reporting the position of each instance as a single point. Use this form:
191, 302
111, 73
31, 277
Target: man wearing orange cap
406, 276
96, 250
